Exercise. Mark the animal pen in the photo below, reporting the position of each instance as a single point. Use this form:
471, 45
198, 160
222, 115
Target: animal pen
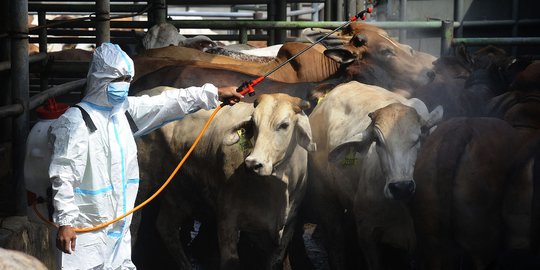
30, 81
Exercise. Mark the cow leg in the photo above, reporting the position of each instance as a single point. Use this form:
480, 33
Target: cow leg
333, 235
298, 257
368, 239
228, 237
279, 254
169, 221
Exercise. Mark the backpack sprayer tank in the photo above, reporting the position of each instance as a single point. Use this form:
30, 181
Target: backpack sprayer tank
38, 157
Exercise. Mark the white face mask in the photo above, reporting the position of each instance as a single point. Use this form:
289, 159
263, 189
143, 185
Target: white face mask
117, 92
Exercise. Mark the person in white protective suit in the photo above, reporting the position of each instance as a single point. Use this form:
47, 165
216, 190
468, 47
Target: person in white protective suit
94, 171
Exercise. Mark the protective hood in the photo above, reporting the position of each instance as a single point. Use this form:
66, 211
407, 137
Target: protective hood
109, 62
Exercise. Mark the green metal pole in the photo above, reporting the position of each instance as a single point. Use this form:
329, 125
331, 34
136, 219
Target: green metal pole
498, 41
447, 35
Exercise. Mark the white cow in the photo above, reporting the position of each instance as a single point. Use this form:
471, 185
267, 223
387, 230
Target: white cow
166, 34
247, 175
367, 139
17, 260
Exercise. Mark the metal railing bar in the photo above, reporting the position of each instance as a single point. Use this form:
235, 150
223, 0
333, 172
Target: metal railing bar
6, 65
498, 41
37, 100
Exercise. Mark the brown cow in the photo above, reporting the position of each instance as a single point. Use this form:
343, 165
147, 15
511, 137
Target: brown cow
464, 83
466, 203
405, 67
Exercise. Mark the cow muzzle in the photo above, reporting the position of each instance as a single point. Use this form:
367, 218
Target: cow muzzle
257, 166
400, 190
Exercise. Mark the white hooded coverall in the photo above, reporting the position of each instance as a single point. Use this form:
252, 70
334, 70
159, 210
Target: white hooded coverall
95, 175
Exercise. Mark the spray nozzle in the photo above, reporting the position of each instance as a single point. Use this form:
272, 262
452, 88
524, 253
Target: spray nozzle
246, 88
362, 14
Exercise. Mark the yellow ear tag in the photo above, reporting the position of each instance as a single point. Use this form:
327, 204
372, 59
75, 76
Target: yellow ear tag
320, 99
350, 158
243, 141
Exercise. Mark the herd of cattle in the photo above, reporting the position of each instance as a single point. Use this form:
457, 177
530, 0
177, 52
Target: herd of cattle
402, 160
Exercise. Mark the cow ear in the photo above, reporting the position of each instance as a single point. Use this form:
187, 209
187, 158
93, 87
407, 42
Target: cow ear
341, 56
359, 142
463, 55
419, 106
435, 117
232, 135
429, 119
303, 133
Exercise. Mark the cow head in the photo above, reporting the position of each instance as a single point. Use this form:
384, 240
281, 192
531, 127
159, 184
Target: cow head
279, 125
374, 47
161, 35
396, 131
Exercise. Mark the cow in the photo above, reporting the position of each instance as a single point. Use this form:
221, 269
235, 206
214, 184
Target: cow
404, 67
367, 139
165, 34
520, 105
13, 259
471, 205
465, 83
246, 175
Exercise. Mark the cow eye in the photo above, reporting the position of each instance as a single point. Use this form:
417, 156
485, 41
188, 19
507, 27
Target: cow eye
283, 126
387, 52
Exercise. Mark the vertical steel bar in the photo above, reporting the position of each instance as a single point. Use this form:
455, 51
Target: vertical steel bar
281, 15
159, 12
458, 16
295, 6
340, 10
515, 27
271, 16
257, 16
315, 14
44, 76
20, 93
243, 35
328, 10
351, 8
103, 23
5, 52
402, 17
447, 34
43, 32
